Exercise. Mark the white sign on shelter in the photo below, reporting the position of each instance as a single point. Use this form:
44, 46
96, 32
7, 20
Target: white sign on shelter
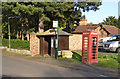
55, 24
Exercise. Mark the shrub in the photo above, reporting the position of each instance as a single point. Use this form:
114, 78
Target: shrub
15, 43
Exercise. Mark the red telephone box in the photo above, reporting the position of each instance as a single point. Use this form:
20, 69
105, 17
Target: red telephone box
90, 47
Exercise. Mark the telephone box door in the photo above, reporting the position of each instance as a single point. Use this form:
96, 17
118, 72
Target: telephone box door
90, 47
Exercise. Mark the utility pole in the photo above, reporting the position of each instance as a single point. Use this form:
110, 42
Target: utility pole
9, 33
55, 25
9, 29
57, 40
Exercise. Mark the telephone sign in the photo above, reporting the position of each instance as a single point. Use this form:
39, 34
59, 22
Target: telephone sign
94, 33
85, 33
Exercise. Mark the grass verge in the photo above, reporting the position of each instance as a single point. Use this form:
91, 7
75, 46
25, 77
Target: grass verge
76, 57
111, 61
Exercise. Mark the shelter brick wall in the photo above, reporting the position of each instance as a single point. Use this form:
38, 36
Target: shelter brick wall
34, 44
75, 42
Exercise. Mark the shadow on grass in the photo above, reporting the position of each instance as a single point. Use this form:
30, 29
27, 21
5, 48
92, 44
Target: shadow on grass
77, 56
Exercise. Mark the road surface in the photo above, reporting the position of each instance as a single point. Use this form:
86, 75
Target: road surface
16, 67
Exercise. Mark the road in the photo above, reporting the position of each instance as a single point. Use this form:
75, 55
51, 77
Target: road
106, 53
16, 67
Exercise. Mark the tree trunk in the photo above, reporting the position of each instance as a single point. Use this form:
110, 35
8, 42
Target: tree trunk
22, 32
28, 37
41, 25
2, 35
22, 36
17, 34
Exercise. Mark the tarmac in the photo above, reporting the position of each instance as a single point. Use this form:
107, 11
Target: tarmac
72, 65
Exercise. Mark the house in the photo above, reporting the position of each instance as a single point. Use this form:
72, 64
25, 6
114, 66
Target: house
75, 41
44, 43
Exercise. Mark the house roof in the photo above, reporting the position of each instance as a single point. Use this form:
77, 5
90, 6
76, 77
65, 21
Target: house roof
81, 28
52, 32
112, 30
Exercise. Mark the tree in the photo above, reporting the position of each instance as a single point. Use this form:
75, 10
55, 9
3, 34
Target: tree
66, 14
111, 20
18, 9
36, 15
119, 22
61, 11
6, 12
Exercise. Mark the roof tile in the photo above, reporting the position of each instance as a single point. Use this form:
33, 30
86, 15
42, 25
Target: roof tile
110, 29
81, 28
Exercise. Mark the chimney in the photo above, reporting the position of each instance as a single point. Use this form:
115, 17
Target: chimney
83, 22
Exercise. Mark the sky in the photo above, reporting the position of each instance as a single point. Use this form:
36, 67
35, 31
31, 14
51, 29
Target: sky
108, 8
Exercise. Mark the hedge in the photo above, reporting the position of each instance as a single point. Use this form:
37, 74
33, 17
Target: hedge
16, 43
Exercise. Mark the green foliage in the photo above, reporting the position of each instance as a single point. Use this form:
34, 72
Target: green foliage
119, 22
35, 12
107, 61
111, 20
18, 44
107, 56
118, 57
44, 18
111, 61
4, 28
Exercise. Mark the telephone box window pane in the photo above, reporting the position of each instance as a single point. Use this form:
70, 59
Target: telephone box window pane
93, 56
86, 38
85, 52
93, 51
85, 47
85, 41
94, 40
85, 56
93, 47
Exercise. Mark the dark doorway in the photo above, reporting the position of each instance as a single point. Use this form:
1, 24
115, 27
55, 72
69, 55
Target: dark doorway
47, 45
